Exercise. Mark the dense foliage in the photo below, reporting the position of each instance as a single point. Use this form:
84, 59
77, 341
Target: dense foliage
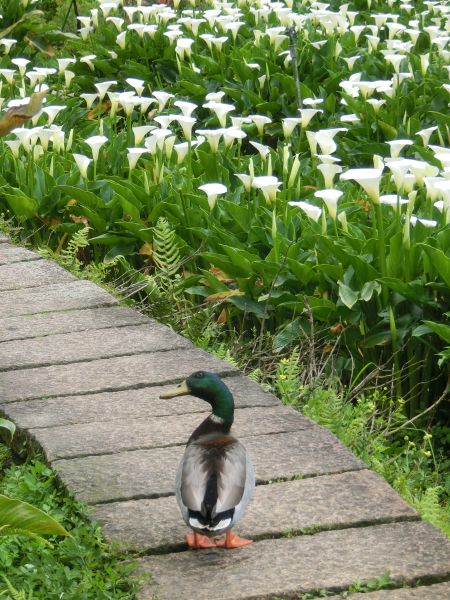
366, 263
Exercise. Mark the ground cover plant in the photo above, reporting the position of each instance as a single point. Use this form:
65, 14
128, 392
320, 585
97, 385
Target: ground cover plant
284, 167
80, 566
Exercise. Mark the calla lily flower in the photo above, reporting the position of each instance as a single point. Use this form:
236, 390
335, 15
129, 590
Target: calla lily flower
220, 109
269, 186
95, 142
289, 124
186, 124
212, 190
312, 212
260, 121
246, 180
393, 200
102, 87
397, 146
213, 137
134, 155
162, 99
368, 179
262, 149
187, 108
330, 197
83, 163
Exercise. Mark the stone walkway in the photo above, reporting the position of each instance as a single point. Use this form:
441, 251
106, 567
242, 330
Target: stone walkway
82, 376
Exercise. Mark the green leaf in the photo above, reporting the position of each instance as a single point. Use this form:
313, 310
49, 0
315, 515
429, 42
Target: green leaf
22, 205
260, 309
9, 425
24, 519
441, 329
347, 296
440, 262
368, 289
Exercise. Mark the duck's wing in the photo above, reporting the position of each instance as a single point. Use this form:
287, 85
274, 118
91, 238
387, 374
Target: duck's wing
214, 472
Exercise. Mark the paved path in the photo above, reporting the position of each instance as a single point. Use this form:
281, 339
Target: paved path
82, 376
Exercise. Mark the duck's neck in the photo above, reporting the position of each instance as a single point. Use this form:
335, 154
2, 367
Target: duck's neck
222, 416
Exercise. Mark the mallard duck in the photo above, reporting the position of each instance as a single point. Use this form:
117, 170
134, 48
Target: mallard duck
215, 479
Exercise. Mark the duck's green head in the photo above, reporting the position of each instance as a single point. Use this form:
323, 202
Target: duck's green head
208, 387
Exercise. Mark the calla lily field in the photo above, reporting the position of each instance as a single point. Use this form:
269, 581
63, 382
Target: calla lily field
299, 152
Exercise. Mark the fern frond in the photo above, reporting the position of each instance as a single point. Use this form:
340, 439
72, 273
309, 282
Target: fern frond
15, 594
166, 253
68, 256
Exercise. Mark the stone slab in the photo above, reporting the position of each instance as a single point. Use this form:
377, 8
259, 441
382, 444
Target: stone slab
286, 568
88, 345
438, 591
333, 501
12, 254
32, 274
108, 374
107, 437
142, 403
56, 297
42, 324
150, 473
3, 239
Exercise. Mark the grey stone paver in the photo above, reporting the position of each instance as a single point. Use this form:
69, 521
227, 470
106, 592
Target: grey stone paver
150, 473
104, 437
3, 239
13, 254
287, 567
332, 501
54, 297
143, 403
107, 374
32, 274
437, 591
88, 345
52, 323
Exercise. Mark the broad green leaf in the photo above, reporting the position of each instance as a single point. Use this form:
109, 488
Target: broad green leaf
9, 425
389, 131
368, 290
440, 262
261, 310
22, 205
291, 333
20, 517
240, 260
441, 329
347, 296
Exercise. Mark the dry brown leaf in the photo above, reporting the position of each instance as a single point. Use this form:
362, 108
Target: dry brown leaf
17, 115
337, 328
146, 249
81, 219
221, 276
224, 295
104, 107
222, 318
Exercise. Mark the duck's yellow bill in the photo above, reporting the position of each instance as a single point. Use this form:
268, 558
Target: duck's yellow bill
180, 390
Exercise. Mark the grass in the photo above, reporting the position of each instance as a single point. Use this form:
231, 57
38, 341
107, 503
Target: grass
83, 567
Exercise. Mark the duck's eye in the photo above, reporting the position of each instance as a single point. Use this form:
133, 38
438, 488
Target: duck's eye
199, 374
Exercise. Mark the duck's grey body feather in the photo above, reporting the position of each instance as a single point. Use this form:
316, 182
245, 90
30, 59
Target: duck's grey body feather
214, 483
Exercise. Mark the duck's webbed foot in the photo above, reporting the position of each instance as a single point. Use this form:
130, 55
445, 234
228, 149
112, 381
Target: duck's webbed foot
196, 540
233, 541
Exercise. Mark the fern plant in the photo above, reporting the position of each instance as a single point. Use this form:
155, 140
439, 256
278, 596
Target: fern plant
68, 257
287, 378
166, 253
13, 593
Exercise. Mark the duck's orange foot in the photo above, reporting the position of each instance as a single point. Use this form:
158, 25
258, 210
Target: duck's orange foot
233, 541
195, 540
